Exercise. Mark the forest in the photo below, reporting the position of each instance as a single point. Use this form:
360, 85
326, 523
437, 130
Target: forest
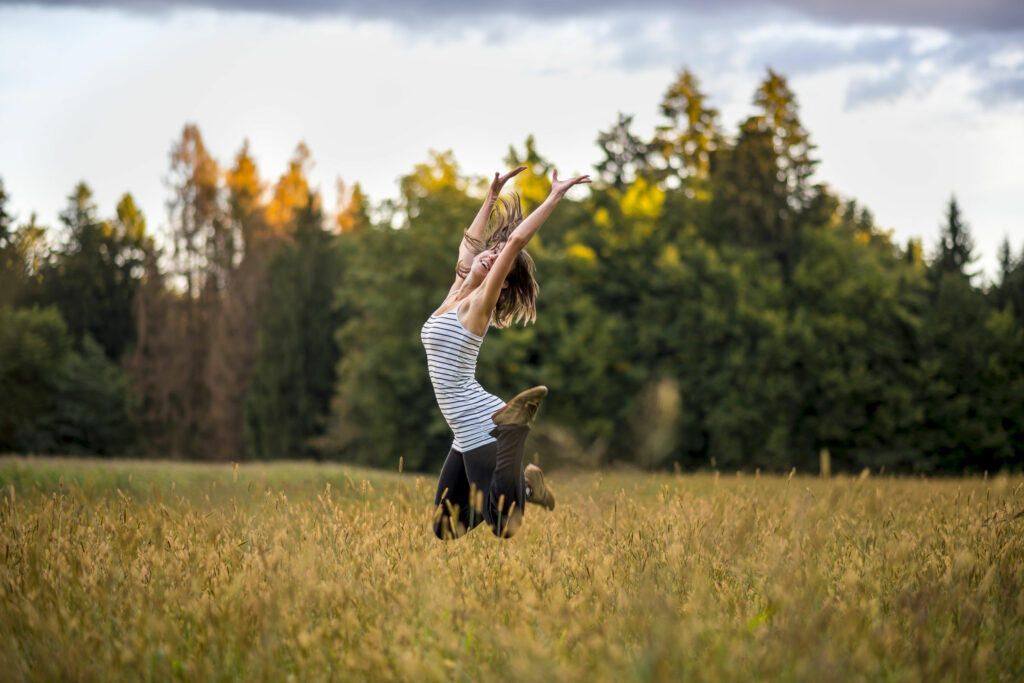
708, 304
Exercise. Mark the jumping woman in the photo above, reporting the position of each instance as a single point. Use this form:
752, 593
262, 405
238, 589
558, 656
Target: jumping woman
482, 479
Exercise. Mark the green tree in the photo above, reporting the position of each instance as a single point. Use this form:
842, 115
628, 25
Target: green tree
293, 377
13, 266
1009, 291
34, 344
762, 192
626, 156
961, 427
534, 185
6, 220
791, 141
392, 279
956, 246
856, 326
93, 275
52, 399
687, 141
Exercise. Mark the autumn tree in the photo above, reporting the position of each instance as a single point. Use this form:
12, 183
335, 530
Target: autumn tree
763, 196
236, 311
169, 368
352, 212
689, 136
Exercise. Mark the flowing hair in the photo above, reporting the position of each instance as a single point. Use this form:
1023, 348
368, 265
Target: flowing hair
518, 301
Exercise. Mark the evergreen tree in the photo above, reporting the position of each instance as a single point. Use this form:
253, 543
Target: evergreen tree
780, 117
690, 135
626, 156
1009, 290
392, 279
762, 192
34, 345
6, 219
52, 399
961, 426
956, 246
293, 377
11, 265
534, 185
93, 275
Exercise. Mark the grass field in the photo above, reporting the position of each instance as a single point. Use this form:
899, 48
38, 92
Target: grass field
157, 571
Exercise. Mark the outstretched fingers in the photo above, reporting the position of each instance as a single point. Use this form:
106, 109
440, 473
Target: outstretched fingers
500, 180
561, 186
513, 173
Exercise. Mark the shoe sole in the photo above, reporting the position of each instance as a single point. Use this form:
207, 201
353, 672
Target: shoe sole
530, 397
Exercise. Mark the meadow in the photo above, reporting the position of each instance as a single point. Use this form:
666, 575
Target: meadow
119, 570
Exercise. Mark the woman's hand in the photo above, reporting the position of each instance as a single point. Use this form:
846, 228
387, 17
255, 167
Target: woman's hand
560, 187
500, 180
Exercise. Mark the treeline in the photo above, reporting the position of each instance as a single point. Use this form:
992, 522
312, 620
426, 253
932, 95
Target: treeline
708, 305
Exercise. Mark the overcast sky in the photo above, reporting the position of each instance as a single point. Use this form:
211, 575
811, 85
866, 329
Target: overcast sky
908, 100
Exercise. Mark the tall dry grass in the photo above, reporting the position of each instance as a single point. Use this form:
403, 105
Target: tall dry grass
170, 571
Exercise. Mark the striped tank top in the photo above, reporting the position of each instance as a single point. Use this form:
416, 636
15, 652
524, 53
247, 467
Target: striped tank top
452, 351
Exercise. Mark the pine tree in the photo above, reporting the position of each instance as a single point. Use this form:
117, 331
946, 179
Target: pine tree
92, 276
688, 139
626, 156
6, 219
762, 192
293, 377
956, 246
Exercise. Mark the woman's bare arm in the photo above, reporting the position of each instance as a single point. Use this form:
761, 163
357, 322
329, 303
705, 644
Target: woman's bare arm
473, 240
483, 303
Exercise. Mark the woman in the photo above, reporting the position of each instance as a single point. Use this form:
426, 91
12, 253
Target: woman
482, 478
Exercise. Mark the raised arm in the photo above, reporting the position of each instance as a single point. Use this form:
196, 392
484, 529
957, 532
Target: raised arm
473, 240
483, 303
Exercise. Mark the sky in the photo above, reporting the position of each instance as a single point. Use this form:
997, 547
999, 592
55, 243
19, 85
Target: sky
908, 101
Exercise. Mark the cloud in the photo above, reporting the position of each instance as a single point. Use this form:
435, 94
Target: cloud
899, 47
1004, 90
887, 88
956, 15
796, 56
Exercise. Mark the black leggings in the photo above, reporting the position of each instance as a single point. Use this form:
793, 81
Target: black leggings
484, 484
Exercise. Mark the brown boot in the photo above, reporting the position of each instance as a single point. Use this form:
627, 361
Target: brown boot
521, 409
539, 493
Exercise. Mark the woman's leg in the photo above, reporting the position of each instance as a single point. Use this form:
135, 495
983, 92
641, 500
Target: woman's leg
507, 495
454, 512
496, 470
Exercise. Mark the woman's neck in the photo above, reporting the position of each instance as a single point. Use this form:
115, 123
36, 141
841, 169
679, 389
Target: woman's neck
467, 288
